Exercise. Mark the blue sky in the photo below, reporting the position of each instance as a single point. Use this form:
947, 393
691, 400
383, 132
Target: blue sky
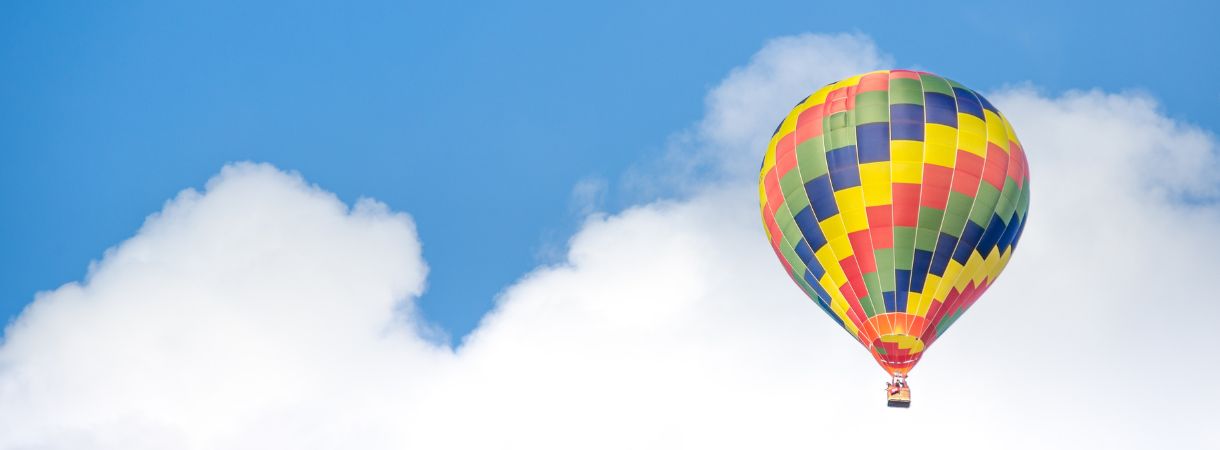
478, 119
264, 305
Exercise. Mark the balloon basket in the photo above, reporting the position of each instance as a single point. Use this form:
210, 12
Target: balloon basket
900, 399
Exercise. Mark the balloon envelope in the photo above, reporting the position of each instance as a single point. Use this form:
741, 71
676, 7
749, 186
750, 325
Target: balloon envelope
894, 199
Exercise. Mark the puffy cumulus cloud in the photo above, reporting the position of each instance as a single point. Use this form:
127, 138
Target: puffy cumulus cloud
747, 106
264, 314
260, 309
743, 110
1107, 288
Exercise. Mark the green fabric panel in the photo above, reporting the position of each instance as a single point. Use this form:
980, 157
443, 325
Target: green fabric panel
792, 186
956, 212
905, 90
947, 322
984, 205
800, 281
954, 224
929, 228
872, 107
783, 216
959, 203
811, 159
949, 222
1023, 201
836, 121
904, 247
925, 239
794, 195
792, 234
798, 202
841, 137
956, 84
800, 270
794, 260
933, 83
812, 294
787, 225
1008, 200
867, 306
930, 218
873, 283
885, 268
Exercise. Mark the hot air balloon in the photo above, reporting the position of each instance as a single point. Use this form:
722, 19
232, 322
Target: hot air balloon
894, 199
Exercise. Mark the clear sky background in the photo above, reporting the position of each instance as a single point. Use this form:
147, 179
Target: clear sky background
478, 117
523, 178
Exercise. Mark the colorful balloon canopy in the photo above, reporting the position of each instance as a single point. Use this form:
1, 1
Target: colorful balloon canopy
894, 199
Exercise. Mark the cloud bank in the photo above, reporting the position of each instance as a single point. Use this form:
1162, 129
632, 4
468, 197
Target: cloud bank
265, 313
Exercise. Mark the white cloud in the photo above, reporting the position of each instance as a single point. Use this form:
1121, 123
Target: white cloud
262, 313
227, 311
747, 105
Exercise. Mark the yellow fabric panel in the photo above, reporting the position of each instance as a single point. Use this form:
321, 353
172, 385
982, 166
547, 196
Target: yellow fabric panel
851, 208
925, 306
997, 133
1012, 136
840, 309
936, 288
972, 134
991, 264
826, 256
819, 97
913, 301
941, 144
925, 297
851, 328
904, 341
789, 123
850, 198
846, 320
848, 81
952, 271
769, 157
828, 283
995, 272
875, 179
786, 127
832, 227
762, 198
903, 150
838, 304
907, 172
942, 156
855, 219
973, 265
907, 164
842, 247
